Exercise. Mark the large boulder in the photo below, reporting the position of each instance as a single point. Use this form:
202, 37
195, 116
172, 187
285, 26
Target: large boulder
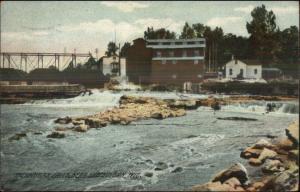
284, 181
159, 115
217, 186
81, 128
63, 120
263, 143
250, 152
237, 170
255, 161
292, 133
271, 166
95, 123
267, 154
285, 144
78, 122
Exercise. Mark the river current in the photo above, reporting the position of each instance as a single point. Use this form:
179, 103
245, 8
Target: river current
194, 147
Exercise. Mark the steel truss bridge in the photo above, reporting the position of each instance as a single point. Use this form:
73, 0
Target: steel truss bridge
30, 61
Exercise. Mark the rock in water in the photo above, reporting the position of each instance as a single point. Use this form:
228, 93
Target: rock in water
148, 174
250, 152
285, 144
284, 181
161, 166
237, 118
237, 170
64, 120
292, 133
217, 186
17, 136
272, 166
262, 143
177, 169
266, 154
157, 116
56, 134
81, 128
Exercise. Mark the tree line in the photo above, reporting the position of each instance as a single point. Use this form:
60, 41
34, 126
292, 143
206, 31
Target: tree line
266, 43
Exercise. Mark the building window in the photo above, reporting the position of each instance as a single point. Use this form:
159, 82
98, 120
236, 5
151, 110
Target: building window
242, 72
191, 43
230, 71
196, 62
174, 76
174, 62
171, 53
235, 61
196, 53
255, 71
178, 43
184, 53
158, 53
163, 61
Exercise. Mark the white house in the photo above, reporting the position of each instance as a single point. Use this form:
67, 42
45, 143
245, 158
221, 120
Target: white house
248, 69
110, 65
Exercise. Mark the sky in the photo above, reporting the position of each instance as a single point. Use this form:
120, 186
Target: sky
44, 26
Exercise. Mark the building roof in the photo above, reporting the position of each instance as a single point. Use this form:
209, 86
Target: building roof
270, 69
175, 40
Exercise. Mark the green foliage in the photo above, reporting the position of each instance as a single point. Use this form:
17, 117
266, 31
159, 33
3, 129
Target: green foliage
90, 65
124, 49
266, 43
161, 33
288, 39
53, 68
187, 32
112, 49
264, 34
250, 88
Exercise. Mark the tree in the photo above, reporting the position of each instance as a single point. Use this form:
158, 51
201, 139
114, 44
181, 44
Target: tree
53, 68
111, 49
187, 32
124, 49
199, 30
289, 43
161, 33
263, 34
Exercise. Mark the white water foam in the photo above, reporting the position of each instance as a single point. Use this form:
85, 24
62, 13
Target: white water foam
259, 107
96, 99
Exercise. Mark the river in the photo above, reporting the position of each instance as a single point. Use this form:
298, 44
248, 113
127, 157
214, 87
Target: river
197, 145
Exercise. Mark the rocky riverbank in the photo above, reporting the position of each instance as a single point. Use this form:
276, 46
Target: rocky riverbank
136, 108
277, 159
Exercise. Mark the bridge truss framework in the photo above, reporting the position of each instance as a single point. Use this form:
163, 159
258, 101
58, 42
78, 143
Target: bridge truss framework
37, 60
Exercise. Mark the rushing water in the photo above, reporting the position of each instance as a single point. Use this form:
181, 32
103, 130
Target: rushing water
199, 143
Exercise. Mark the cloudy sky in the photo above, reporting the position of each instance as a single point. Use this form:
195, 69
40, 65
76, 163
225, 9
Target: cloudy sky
85, 26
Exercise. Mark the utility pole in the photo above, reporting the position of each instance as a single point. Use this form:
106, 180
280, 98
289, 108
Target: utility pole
209, 57
119, 60
96, 51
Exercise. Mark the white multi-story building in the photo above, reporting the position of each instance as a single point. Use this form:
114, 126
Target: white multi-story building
111, 66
